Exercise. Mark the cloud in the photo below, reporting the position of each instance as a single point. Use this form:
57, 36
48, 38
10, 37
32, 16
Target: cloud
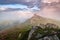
6, 8
52, 7
14, 1
1, 9
15, 15
10, 18
50, 12
50, 1
29, 3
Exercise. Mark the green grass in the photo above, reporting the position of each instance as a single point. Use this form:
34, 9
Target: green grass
13, 33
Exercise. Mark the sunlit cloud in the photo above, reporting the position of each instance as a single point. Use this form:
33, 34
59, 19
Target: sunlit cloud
1, 9
50, 12
16, 15
50, 1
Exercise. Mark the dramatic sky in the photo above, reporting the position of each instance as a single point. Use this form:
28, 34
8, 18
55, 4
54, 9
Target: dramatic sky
12, 11
16, 9
21, 9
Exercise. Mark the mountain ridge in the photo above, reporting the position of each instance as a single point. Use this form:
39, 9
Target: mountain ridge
36, 20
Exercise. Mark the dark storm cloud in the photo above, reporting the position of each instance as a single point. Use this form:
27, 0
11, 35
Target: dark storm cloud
10, 1
29, 3
14, 2
10, 9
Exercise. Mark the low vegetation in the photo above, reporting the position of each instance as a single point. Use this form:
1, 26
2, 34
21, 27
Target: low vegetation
43, 30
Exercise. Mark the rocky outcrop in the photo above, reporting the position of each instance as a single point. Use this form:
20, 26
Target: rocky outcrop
42, 32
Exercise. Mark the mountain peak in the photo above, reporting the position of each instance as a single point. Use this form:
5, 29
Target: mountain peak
37, 20
36, 16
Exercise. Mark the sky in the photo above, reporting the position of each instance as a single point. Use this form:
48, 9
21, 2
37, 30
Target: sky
13, 11
21, 9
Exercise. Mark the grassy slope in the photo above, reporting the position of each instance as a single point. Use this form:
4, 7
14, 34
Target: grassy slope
35, 20
13, 33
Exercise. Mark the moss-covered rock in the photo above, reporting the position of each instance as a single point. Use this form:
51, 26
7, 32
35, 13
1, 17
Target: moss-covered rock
39, 33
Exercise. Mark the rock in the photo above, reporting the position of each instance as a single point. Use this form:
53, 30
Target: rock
35, 35
41, 33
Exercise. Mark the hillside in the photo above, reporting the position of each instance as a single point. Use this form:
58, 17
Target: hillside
36, 20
